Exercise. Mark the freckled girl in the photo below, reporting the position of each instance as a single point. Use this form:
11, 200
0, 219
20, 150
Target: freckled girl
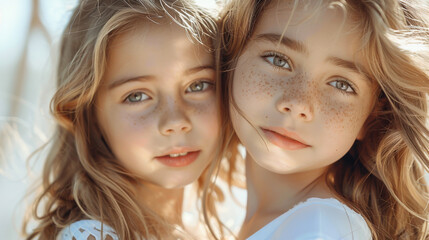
137, 120
329, 98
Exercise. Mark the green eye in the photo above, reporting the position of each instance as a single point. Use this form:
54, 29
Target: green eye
136, 97
278, 60
199, 86
342, 85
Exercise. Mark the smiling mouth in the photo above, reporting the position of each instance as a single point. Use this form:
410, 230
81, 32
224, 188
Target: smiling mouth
283, 140
178, 154
181, 159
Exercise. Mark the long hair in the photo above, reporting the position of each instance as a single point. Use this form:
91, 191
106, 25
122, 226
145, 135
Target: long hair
81, 178
383, 176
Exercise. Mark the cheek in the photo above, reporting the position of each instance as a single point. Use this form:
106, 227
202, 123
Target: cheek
252, 84
131, 128
206, 118
257, 86
340, 116
206, 109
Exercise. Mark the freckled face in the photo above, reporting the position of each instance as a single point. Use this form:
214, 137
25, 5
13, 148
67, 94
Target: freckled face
156, 106
304, 97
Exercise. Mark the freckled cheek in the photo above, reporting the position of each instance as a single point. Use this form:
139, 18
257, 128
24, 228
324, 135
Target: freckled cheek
298, 88
340, 116
253, 84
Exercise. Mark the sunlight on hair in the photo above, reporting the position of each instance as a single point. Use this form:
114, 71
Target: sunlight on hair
413, 47
213, 6
210, 4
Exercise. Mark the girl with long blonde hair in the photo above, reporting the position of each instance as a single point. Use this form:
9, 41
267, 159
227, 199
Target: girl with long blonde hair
137, 119
329, 98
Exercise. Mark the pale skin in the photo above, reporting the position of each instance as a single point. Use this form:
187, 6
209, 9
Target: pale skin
306, 101
155, 104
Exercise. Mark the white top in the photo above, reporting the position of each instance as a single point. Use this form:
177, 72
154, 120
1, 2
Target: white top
83, 229
316, 219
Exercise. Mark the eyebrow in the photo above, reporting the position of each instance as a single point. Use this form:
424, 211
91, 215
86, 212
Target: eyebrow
146, 78
198, 69
348, 65
290, 43
343, 63
119, 82
300, 47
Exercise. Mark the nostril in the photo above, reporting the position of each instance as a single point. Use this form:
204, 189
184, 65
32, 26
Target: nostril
302, 115
287, 109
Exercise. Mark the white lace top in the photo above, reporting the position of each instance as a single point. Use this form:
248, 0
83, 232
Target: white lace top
83, 229
316, 219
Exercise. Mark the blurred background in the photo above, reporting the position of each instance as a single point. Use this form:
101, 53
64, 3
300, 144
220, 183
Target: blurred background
29, 37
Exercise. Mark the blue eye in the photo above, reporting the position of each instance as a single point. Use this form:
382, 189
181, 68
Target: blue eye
199, 86
136, 97
342, 85
278, 60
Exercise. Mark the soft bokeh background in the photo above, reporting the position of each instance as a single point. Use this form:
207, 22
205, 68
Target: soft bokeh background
29, 37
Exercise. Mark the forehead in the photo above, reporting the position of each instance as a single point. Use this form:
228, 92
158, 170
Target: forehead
145, 32
150, 39
314, 15
149, 27
150, 48
326, 23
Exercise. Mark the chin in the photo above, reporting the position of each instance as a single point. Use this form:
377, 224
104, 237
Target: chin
177, 183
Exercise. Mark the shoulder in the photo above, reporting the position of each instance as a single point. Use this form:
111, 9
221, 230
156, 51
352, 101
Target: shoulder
87, 229
317, 218
325, 219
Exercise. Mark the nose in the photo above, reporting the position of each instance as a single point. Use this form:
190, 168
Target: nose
174, 119
298, 108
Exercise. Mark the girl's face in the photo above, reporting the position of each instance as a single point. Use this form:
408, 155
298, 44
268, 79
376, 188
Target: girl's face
157, 105
303, 94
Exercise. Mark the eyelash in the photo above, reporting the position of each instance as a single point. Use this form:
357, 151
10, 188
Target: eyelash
288, 62
134, 93
208, 84
349, 85
274, 55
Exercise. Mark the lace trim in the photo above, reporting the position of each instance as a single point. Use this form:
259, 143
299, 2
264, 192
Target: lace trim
83, 229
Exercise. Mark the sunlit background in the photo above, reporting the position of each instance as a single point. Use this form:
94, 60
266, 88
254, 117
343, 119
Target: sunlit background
29, 37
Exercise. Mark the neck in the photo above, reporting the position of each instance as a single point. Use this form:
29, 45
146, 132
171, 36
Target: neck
271, 194
167, 203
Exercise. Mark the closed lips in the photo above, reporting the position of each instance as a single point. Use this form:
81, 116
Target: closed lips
284, 139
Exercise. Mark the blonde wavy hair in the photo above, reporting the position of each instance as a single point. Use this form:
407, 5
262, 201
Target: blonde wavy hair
383, 177
81, 178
